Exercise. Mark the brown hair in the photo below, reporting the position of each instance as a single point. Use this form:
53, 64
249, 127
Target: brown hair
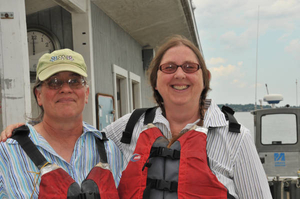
154, 66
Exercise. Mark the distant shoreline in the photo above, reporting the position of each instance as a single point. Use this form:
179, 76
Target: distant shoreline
247, 107
243, 107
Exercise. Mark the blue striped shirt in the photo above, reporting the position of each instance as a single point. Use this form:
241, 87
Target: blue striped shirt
16, 169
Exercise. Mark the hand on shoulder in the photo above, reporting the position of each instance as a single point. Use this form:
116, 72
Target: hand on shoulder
7, 132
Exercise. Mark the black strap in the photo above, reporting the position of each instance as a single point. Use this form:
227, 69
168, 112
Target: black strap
127, 134
229, 196
234, 126
135, 116
208, 161
101, 147
150, 115
163, 185
21, 135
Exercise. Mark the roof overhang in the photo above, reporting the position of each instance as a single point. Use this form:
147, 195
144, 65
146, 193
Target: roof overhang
147, 21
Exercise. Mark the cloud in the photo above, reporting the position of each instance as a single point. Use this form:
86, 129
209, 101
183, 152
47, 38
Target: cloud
273, 15
238, 83
233, 41
293, 48
259, 85
283, 37
222, 70
282, 8
226, 71
216, 60
222, 75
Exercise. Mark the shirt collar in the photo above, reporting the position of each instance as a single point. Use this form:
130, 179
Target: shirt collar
214, 117
87, 128
159, 118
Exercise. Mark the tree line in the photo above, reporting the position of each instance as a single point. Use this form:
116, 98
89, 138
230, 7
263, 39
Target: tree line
244, 107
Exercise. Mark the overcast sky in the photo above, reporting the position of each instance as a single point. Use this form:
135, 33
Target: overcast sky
228, 35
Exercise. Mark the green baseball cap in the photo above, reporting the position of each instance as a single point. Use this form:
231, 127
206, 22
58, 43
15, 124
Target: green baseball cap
58, 61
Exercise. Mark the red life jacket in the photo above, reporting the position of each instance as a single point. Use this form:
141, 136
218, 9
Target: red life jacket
180, 171
57, 183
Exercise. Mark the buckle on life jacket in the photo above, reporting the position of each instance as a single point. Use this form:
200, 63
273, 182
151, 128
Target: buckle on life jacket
163, 185
165, 152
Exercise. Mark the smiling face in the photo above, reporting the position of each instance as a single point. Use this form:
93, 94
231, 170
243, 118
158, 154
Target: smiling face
63, 103
180, 88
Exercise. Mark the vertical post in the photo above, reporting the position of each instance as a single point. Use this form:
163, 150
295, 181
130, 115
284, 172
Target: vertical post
14, 63
296, 93
256, 59
83, 44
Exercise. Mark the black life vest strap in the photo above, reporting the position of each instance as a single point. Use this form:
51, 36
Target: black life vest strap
229, 196
127, 134
149, 115
135, 116
21, 136
234, 126
101, 147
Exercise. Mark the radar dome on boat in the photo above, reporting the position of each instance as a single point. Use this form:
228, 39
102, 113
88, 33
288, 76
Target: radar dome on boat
273, 98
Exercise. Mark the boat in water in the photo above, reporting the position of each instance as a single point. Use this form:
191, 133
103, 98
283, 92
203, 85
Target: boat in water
278, 146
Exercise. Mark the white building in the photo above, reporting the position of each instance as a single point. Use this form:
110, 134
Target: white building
116, 37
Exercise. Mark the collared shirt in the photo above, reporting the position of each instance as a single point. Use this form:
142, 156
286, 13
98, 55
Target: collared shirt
17, 171
232, 156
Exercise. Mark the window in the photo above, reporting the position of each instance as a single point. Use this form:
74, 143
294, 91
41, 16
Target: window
120, 81
135, 91
279, 129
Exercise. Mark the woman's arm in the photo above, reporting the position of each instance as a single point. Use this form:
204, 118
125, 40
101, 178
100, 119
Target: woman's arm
114, 131
249, 176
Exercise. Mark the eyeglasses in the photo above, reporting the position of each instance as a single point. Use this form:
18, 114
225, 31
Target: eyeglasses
170, 68
75, 82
